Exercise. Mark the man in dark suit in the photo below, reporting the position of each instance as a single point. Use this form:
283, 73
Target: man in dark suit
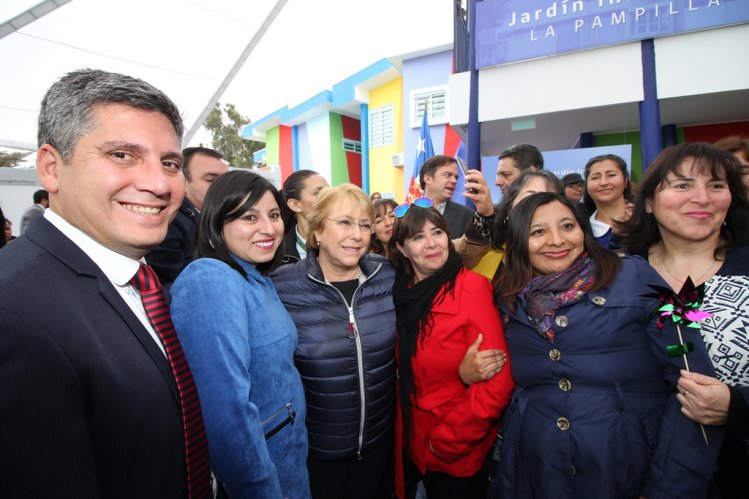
201, 167
89, 406
438, 178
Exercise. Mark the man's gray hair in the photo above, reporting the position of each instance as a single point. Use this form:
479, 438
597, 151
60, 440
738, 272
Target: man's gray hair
68, 105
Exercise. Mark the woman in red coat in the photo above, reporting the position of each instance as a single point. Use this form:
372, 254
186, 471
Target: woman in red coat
446, 428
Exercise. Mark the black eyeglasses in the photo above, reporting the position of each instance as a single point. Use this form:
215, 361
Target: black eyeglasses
402, 209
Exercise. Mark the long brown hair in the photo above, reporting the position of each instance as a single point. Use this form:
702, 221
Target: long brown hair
518, 271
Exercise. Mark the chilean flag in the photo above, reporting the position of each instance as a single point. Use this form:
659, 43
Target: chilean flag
424, 151
455, 147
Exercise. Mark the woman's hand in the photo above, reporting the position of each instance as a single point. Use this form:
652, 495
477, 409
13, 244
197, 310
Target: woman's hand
480, 365
481, 196
703, 399
628, 210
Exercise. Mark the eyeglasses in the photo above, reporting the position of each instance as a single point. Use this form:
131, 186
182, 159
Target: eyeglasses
402, 209
348, 225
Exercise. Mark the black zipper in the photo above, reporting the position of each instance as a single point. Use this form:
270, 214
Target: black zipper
280, 426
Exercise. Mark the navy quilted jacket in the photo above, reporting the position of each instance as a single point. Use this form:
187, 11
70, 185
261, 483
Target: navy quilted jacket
349, 378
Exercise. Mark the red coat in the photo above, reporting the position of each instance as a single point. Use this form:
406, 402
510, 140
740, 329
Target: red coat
460, 422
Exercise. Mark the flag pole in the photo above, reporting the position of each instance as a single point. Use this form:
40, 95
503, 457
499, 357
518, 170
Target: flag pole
473, 137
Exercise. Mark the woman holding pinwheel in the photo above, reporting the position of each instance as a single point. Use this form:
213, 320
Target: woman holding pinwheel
691, 221
594, 412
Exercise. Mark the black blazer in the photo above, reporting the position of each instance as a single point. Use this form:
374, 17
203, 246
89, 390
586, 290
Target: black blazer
88, 404
458, 216
175, 252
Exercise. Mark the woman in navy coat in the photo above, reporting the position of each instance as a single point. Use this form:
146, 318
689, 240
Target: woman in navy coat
594, 413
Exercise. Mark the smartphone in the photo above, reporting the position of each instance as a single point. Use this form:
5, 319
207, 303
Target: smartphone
464, 167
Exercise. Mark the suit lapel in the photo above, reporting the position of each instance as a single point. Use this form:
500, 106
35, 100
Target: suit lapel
57, 244
111, 295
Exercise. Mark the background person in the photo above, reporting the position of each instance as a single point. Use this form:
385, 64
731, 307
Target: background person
594, 412
608, 196
41, 203
691, 218
240, 342
438, 177
299, 193
3, 219
574, 187
201, 167
441, 308
89, 404
9, 231
515, 160
739, 147
383, 225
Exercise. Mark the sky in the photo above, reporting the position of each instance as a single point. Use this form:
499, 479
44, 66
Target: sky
186, 47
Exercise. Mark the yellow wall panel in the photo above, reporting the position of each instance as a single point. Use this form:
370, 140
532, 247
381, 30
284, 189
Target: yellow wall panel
383, 177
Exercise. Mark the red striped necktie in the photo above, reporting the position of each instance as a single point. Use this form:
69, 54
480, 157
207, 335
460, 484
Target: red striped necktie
196, 445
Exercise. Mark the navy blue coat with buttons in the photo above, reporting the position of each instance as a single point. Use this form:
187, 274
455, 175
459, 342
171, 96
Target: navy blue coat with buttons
595, 413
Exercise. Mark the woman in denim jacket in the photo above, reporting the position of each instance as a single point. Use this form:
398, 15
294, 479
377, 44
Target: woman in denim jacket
240, 342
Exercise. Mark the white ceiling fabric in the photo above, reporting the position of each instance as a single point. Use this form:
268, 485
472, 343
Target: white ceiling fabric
187, 47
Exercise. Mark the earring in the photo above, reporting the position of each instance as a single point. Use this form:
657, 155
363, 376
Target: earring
210, 242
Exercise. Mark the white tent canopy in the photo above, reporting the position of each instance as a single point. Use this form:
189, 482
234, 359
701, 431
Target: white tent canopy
188, 48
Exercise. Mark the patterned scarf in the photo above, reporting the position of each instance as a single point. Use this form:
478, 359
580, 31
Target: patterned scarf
544, 294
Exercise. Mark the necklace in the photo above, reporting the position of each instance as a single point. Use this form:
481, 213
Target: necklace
697, 281
357, 276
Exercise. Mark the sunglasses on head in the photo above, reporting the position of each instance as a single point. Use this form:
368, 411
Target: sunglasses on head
402, 209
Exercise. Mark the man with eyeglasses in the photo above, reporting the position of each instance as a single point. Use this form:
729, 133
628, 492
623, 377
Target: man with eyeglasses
438, 177
573, 183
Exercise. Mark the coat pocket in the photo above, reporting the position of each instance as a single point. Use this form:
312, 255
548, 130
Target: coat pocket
278, 420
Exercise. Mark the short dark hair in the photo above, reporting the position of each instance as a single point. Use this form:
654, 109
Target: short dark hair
590, 205
641, 230
525, 156
224, 202
189, 152
67, 107
407, 227
430, 166
505, 206
518, 272
39, 195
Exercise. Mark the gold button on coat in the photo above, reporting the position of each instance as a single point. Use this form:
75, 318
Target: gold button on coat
561, 321
555, 354
506, 319
565, 384
599, 300
563, 424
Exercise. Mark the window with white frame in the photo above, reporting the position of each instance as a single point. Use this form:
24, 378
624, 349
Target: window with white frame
431, 100
350, 145
381, 126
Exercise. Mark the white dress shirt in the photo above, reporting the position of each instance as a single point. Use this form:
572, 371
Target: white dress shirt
118, 268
